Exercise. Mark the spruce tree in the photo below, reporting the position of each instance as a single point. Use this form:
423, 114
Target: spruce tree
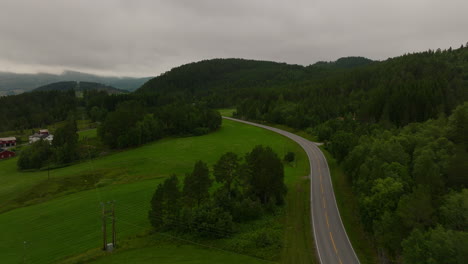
197, 184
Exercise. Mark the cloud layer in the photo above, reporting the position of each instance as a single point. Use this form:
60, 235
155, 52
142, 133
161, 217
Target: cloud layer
148, 37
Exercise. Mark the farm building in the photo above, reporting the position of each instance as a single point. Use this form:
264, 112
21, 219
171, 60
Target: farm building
42, 134
7, 142
5, 154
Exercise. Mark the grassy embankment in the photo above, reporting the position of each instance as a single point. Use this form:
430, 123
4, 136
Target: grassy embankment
65, 224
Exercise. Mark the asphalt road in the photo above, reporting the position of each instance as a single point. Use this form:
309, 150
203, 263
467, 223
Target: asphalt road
332, 243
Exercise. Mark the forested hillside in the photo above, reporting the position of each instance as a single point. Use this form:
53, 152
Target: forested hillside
32, 110
401, 90
16, 83
226, 82
398, 91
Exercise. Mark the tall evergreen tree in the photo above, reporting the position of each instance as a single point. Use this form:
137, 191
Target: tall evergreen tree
65, 142
197, 184
165, 204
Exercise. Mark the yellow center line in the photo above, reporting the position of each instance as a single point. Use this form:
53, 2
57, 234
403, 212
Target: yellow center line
320, 171
334, 246
318, 166
326, 216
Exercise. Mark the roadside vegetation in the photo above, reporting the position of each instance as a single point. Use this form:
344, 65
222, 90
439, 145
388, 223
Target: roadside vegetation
349, 211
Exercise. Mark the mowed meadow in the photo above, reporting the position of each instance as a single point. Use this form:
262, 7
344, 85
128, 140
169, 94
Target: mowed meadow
59, 219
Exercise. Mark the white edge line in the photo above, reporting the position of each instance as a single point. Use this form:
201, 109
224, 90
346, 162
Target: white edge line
311, 203
310, 165
338, 209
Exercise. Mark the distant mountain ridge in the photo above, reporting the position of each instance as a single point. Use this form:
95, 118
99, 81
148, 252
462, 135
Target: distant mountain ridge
345, 62
16, 83
80, 86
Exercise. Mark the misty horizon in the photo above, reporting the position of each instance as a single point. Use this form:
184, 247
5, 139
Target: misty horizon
147, 38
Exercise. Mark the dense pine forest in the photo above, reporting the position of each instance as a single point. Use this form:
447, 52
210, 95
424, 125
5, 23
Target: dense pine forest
398, 128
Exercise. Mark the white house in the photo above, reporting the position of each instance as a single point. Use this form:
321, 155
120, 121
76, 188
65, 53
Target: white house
43, 134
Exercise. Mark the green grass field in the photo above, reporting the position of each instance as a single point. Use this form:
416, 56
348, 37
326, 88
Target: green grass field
227, 112
70, 224
171, 255
88, 133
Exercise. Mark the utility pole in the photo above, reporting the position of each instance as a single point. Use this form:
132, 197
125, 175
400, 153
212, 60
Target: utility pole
104, 233
108, 213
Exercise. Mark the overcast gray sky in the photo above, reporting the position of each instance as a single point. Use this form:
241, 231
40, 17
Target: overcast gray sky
148, 37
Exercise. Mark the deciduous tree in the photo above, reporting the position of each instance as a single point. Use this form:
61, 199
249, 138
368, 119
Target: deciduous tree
226, 170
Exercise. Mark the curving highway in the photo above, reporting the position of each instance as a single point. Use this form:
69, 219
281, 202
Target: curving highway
331, 240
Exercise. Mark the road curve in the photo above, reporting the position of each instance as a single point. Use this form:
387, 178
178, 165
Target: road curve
331, 240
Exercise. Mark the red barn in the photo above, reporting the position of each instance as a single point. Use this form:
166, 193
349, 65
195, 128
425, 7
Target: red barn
7, 142
5, 154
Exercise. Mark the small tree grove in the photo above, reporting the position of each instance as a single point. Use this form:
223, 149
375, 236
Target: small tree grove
246, 189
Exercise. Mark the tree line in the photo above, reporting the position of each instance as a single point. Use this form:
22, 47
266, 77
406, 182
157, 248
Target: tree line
245, 189
131, 124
